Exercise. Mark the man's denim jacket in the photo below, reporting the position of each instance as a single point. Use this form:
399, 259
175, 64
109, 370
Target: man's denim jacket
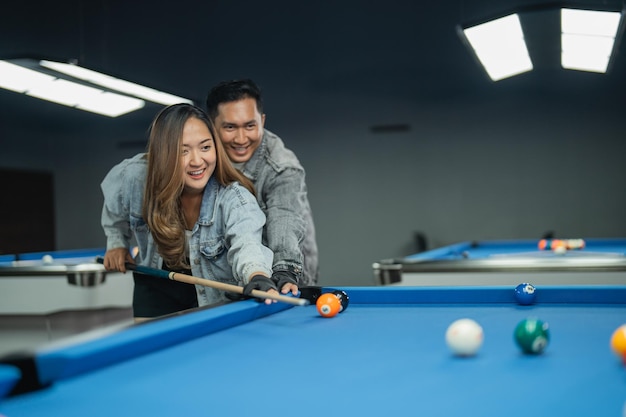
279, 181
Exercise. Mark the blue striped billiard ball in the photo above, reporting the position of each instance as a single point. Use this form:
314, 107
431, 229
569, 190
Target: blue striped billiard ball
525, 294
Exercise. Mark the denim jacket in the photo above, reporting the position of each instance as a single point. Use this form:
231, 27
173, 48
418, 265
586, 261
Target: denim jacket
279, 181
225, 243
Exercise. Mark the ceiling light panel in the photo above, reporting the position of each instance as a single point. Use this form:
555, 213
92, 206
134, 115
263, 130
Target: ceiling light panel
500, 47
588, 38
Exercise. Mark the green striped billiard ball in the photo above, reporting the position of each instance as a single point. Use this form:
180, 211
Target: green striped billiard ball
532, 336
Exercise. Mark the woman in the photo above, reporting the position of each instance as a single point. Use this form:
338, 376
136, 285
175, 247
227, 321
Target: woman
188, 210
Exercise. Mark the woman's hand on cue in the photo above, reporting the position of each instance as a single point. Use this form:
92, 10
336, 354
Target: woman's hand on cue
115, 259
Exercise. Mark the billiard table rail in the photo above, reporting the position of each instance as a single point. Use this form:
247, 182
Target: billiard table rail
75, 355
505, 264
390, 271
78, 265
84, 274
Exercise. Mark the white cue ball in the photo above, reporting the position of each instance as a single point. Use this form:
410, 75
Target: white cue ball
47, 259
464, 337
560, 250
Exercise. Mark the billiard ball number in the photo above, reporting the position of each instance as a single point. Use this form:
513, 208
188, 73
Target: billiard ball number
532, 336
525, 293
464, 337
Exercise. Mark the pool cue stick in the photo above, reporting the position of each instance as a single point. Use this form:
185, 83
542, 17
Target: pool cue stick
190, 279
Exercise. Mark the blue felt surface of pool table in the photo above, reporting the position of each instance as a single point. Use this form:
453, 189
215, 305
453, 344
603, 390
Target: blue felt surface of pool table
376, 358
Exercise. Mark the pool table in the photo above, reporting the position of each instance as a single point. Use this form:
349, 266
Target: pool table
507, 262
384, 355
73, 280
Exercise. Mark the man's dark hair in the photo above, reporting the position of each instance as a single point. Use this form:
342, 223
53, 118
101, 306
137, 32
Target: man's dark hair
235, 90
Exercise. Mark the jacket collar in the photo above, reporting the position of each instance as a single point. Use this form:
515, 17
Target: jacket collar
207, 210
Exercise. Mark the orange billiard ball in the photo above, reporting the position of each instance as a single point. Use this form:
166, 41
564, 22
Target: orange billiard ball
328, 305
618, 342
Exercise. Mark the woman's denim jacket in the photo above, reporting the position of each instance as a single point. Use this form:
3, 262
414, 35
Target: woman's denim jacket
279, 181
225, 243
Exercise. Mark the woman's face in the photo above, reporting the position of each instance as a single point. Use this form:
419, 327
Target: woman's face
198, 155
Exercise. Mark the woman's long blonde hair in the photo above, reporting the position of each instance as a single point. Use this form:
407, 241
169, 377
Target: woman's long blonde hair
162, 209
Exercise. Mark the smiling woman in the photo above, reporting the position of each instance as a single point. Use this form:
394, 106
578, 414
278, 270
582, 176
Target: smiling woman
190, 211
198, 163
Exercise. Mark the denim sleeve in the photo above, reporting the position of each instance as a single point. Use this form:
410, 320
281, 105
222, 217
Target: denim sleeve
115, 217
244, 223
285, 207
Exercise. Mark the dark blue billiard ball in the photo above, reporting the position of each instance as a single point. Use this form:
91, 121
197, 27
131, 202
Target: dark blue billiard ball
525, 293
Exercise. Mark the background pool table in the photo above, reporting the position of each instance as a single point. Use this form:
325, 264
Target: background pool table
385, 355
506, 262
73, 281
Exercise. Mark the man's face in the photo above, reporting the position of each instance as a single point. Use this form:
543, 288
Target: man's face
240, 127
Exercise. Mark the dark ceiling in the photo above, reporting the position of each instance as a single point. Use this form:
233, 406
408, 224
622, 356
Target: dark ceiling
408, 50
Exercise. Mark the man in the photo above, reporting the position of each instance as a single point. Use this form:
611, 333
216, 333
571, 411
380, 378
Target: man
236, 108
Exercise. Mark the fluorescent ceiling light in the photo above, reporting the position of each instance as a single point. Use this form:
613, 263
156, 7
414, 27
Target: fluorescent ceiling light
500, 47
112, 83
47, 87
587, 39
78, 87
85, 98
19, 79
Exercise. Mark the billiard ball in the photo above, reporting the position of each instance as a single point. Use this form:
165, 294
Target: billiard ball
464, 337
560, 249
525, 293
328, 305
47, 259
532, 336
343, 299
618, 342
575, 243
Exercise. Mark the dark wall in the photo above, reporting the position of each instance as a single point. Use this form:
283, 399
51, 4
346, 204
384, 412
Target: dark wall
27, 212
500, 167
478, 160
